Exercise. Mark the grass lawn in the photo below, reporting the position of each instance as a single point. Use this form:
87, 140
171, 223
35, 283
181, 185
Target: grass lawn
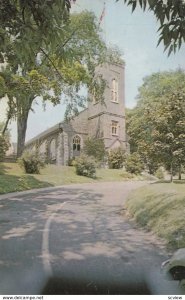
12, 177
160, 207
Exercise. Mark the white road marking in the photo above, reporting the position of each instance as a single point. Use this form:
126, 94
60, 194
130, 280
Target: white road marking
45, 244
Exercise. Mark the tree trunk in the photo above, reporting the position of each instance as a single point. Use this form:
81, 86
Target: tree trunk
11, 113
23, 109
180, 175
21, 133
5, 126
171, 172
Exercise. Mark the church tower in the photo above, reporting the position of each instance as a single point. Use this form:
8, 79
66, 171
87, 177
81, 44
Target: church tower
107, 120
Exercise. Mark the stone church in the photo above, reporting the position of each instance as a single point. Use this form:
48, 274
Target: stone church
105, 120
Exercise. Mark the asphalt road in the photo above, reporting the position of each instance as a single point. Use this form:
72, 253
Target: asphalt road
77, 240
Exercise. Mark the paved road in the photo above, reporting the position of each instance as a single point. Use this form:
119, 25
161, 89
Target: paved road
76, 239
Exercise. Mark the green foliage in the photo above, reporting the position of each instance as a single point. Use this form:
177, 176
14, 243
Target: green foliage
53, 64
2, 87
71, 162
159, 173
160, 208
127, 175
116, 158
94, 147
133, 164
156, 125
12, 177
170, 15
85, 166
114, 55
4, 145
4, 141
31, 163
32, 24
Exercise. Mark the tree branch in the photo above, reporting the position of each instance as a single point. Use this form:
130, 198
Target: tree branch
52, 63
6, 125
69, 38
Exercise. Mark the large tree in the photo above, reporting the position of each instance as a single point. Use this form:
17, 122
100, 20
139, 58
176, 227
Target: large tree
171, 17
169, 132
156, 126
60, 70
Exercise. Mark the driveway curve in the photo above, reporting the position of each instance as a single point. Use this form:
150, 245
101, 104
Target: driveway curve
77, 240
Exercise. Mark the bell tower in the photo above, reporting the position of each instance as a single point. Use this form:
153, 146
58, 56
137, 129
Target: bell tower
107, 120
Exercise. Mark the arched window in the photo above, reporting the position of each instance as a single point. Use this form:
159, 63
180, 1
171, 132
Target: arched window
114, 96
42, 148
52, 149
76, 143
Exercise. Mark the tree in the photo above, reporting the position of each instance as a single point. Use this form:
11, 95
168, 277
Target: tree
22, 90
134, 164
171, 17
4, 142
156, 125
169, 133
64, 70
33, 25
139, 126
95, 147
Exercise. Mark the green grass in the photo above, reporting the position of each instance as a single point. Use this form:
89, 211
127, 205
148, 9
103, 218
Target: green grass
12, 177
160, 208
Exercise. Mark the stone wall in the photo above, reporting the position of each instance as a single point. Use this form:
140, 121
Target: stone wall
79, 123
57, 144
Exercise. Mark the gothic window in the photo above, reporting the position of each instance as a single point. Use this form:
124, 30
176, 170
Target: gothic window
42, 148
52, 149
114, 96
76, 143
114, 128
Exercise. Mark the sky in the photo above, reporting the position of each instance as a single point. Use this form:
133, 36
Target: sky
136, 36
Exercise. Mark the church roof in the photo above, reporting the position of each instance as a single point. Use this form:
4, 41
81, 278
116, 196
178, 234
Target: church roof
46, 132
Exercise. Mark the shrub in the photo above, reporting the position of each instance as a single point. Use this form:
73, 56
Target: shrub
85, 166
95, 147
71, 162
116, 158
4, 145
127, 175
159, 173
134, 164
31, 163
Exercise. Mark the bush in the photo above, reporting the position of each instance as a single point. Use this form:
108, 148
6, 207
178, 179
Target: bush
159, 173
71, 162
85, 166
116, 158
4, 145
95, 147
127, 175
134, 164
31, 163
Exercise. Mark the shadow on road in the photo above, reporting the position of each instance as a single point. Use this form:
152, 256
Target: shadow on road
93, 249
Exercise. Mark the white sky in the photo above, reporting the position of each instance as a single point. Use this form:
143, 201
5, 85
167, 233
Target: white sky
136, 35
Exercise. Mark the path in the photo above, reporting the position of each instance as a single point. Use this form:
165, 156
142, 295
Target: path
76, 239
